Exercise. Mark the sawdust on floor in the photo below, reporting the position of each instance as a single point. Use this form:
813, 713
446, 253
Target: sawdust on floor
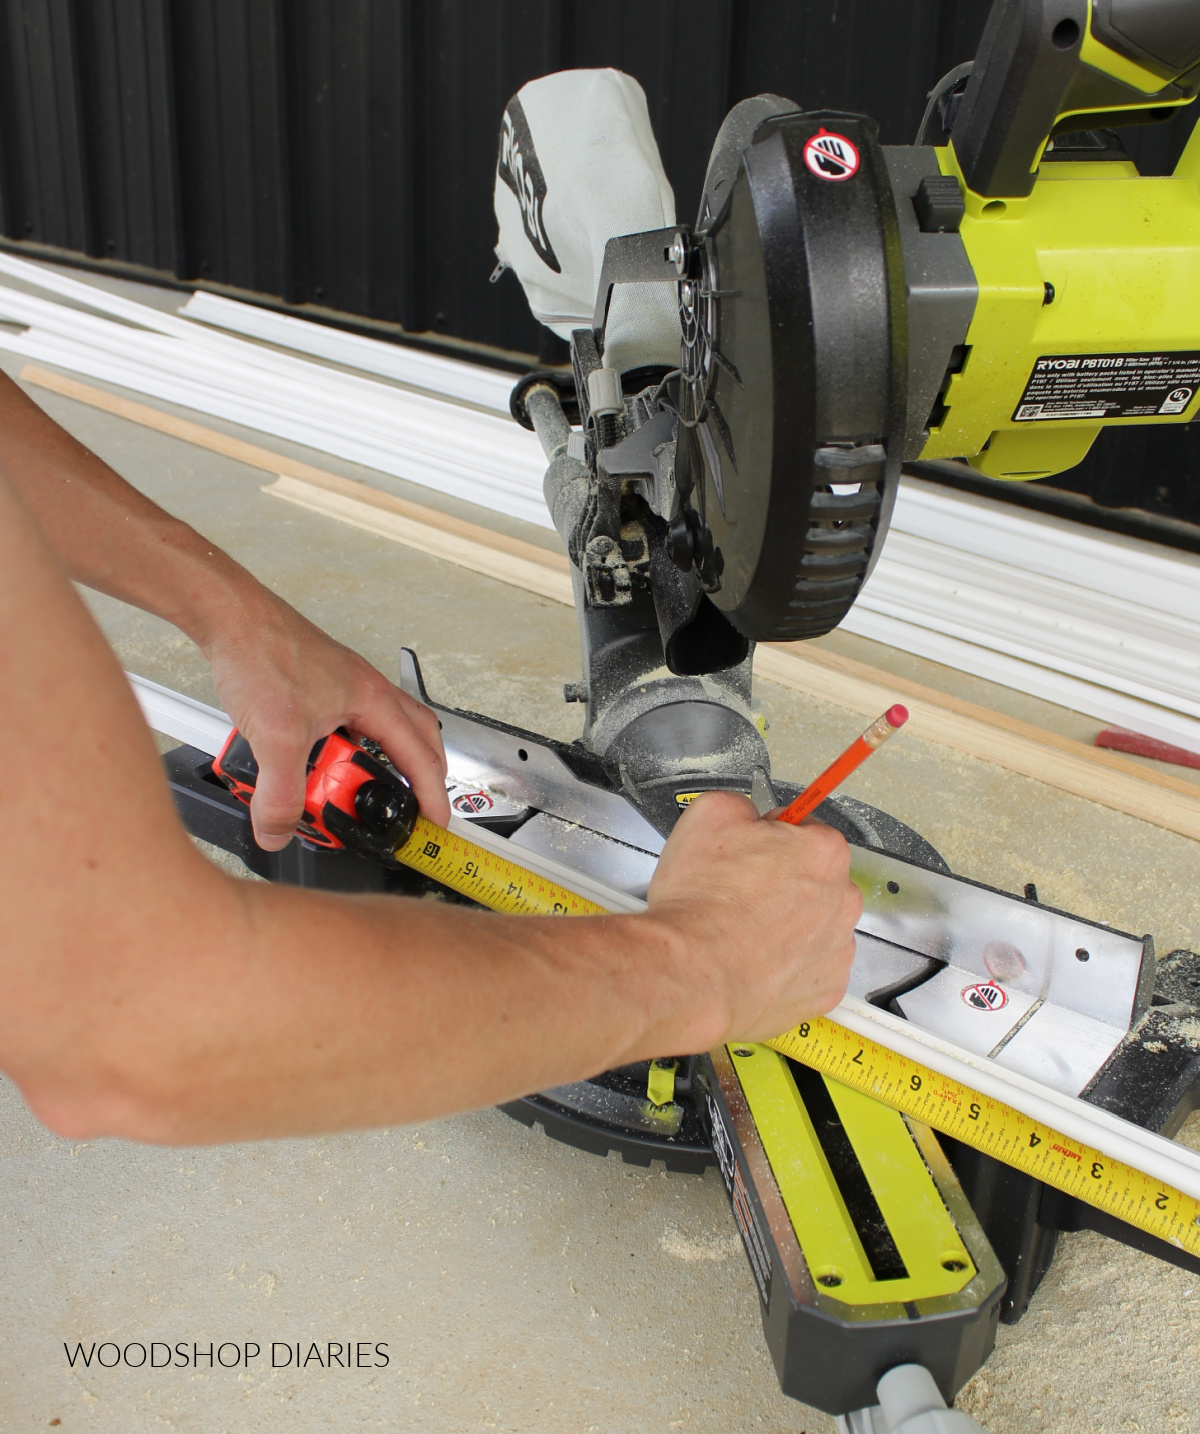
1045, 1376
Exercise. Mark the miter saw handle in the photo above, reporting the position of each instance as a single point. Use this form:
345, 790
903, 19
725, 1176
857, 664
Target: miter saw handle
1049, 66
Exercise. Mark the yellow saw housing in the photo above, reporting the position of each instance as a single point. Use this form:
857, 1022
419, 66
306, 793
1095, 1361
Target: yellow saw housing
1088, 308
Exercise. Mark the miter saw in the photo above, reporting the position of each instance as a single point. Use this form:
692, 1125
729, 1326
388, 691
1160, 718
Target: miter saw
723, 461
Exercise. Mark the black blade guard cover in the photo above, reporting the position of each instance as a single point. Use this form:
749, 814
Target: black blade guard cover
794, 362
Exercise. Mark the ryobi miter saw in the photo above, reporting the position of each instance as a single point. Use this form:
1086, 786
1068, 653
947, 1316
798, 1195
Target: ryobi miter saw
746, 391
723, 460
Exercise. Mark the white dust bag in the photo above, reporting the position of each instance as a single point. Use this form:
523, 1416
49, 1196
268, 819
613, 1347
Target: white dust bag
579, 164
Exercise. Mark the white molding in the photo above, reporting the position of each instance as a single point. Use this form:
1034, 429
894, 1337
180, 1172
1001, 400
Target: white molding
206, 727
1096, 622
175, 715
1155, 1155
460, 452
432, 373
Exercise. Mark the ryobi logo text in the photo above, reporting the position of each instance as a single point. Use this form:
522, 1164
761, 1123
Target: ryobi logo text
1066, 365
518, 167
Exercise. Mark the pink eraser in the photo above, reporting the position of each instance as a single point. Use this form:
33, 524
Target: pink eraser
897, 716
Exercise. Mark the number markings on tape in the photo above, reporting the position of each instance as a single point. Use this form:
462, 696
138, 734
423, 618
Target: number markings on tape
492, 880
956, 1110
995, 1129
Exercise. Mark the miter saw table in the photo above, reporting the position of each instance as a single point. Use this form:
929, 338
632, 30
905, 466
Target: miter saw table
723, 460
925, 939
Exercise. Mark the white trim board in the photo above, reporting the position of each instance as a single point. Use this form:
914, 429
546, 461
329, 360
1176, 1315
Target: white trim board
207, 729
1102, 624
433, 373
1175, 1165
462, 452
1159, 578
206, 315
1100, 702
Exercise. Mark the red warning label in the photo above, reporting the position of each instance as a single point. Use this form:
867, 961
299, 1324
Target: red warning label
986, 996
472, 804
831, 156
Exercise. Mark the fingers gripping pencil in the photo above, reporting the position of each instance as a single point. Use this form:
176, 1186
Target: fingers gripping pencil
836, 773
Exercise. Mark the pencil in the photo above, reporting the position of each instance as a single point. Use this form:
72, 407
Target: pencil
836, 773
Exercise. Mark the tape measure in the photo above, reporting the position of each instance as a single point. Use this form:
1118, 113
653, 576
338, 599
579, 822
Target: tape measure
995, 1129
354, 800
492, 880
874, 1070
345, 783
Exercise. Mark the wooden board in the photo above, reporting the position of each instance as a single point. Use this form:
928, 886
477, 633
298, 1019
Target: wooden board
258, 457
1090, 772
1095, 774
547, 574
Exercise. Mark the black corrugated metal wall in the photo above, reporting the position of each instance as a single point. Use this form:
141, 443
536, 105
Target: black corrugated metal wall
339, 153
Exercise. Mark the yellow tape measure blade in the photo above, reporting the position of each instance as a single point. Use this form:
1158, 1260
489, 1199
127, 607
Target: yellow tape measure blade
486, 877
995, 1129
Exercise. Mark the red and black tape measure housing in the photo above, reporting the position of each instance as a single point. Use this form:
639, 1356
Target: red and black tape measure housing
352, 800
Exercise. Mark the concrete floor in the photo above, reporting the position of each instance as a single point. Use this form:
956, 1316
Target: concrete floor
518, 1284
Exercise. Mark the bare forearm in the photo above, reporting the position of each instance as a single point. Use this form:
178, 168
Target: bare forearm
284, 682
230, 1011
111, 537
144, 993
284, 1013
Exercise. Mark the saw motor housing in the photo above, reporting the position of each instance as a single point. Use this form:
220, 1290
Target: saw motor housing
996, 294
1087, 274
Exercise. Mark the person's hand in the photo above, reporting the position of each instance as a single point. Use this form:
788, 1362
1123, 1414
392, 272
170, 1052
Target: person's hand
768, 911
286, 684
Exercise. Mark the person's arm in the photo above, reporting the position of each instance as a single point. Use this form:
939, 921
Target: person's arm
145, 994
283, 681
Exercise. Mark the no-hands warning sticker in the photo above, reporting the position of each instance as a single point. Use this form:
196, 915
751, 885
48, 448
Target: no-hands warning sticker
831, 156
986, 996
472, 804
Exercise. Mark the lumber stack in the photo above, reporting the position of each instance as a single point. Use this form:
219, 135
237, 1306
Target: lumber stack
1102, 624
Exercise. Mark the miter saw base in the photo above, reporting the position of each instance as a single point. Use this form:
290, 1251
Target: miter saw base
563, 801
